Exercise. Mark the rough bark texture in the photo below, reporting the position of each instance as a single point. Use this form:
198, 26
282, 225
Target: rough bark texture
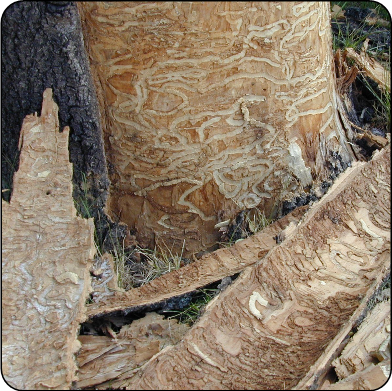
210, 268
371, 378
46, 251
42, 47
103, 360
212, 107
368, 345
268, 328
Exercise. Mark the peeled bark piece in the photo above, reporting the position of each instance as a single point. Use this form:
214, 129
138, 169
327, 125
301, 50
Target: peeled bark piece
210, 268
372, 377
274, 322
211, 107
370, 66
106, 360
370, 342
45, 264
317, 376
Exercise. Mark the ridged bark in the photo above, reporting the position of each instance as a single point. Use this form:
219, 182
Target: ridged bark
42, 47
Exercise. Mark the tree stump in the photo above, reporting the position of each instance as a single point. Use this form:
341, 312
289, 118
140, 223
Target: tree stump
212, 107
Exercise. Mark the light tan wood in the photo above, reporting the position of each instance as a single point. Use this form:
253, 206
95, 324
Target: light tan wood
283, 317
316, 376
103, 278
103, 360
371, 67
210, 268
46, 254
368, 345
371, 378
211, 107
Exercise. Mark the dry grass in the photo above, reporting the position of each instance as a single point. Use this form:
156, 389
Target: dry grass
141, 265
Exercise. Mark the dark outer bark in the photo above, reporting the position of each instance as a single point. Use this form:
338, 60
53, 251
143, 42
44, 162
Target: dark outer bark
43, 47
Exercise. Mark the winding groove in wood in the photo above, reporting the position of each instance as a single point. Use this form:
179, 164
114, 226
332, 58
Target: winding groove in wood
271, 325
211, 107
46, 251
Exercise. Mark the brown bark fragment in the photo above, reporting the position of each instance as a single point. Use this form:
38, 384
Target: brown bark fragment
269, 327
103, 359
368, 344
46, 251
210, 268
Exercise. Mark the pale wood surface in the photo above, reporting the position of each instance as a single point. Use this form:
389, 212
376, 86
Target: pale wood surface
46, 251
210, 268
371, 67
371, 378
211, 107
269, 327
317, 376
370, 344
103, 360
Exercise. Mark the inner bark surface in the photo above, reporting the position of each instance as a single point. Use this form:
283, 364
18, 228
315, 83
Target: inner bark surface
209, 108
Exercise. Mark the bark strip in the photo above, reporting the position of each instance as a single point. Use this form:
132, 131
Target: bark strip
45, 264
269, 327
210, 268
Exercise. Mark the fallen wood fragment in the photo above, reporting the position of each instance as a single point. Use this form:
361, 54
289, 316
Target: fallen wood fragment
368, 344
370, 378
370, 66
269, 327
210, 268
45, 262
103, 361
315, 378
370, 138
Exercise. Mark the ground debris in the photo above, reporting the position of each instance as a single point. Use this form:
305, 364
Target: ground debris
107, 361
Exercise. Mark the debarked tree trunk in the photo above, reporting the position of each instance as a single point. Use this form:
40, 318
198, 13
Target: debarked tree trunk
212, 107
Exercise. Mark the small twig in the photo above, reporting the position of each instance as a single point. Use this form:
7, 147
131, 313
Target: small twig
357, 127
380, 141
